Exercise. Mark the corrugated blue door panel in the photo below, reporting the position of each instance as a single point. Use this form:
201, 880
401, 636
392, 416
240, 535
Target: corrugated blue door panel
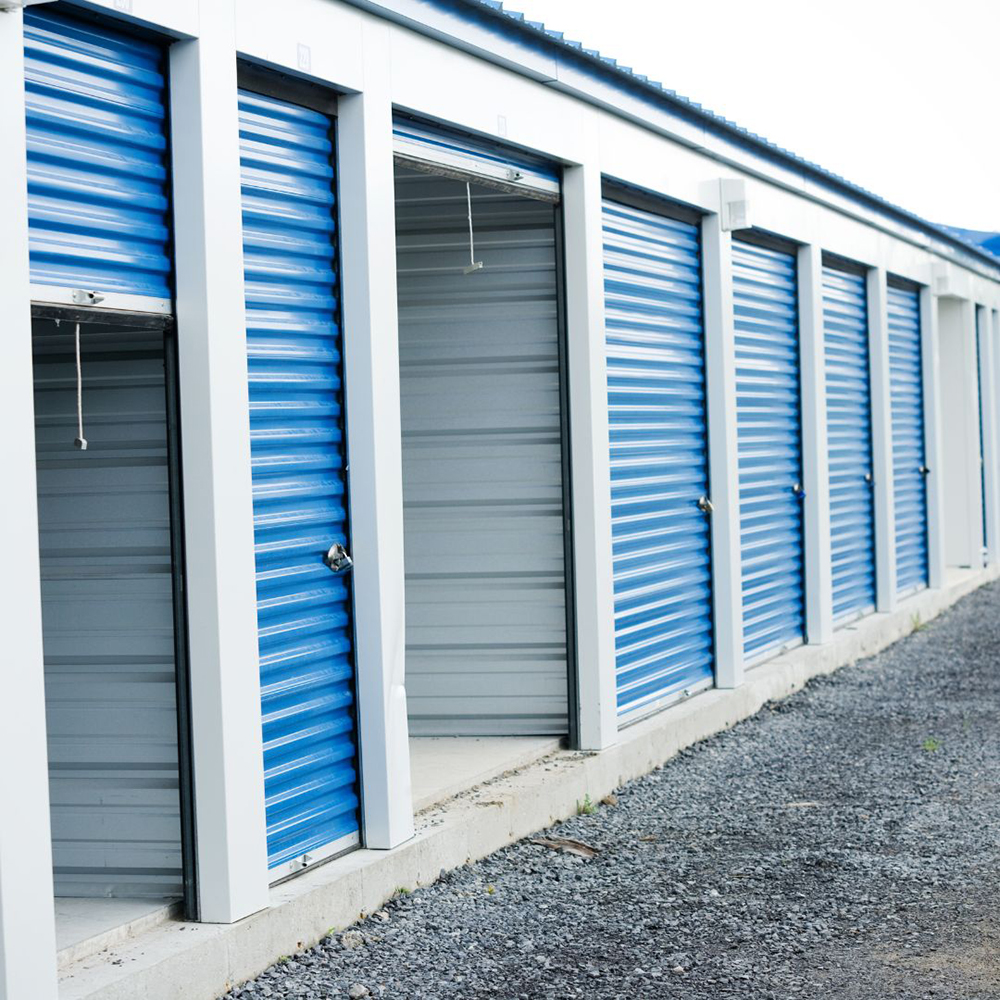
980, 333
908, 456
765, 306
849, 440
418, 143
299, 478
659, 456
98, 206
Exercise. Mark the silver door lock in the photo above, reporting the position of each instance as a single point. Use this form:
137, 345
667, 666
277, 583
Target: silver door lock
868, 477
705, 505
924, 471
83, 297
337, 558
799, 491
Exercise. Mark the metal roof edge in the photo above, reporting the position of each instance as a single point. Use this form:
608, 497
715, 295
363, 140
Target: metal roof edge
546, 42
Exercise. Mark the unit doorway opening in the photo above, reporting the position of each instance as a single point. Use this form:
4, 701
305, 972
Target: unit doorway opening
112, 621
488, 647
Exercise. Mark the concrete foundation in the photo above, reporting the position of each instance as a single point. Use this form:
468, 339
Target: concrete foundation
181, 961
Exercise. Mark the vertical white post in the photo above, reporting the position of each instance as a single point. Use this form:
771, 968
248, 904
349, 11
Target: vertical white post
590, 457
815, 448
933, 447
371, 351
724, 474
881, 397
988, 398
218, 499
27, 920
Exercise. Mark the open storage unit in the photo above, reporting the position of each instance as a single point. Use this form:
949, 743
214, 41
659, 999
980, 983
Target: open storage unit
488, 648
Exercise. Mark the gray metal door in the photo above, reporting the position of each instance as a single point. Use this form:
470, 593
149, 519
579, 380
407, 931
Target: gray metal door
108, 615
482, 461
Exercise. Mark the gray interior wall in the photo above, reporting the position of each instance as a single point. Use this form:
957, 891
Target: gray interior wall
104, 528
482, 462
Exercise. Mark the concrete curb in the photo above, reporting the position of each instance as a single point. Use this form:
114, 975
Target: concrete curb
180, 961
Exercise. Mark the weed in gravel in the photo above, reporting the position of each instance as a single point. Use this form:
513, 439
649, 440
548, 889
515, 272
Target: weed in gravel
931, 744
586, 807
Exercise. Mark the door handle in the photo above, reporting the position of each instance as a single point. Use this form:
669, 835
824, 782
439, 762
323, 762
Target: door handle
924, 471
705, 505
799, 491
337, 559
868, 478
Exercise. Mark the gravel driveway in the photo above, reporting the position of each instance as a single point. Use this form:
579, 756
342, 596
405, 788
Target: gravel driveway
842, 843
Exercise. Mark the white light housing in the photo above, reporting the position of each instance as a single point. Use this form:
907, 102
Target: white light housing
734, 207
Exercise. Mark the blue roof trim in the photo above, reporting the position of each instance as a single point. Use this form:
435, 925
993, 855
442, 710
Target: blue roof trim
693, 109
990, 242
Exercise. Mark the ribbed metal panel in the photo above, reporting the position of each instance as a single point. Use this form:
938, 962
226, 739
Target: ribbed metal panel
659, 456
420, 145
107, 610
849, 441
768, 415
98, 206
299, 479
482, 462
908, 456
980, 376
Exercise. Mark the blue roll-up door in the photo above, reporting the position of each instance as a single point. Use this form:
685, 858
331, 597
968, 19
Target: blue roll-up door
849, 440
765, 305
980, 376
299, 477
659, 460
908, 456
98, 208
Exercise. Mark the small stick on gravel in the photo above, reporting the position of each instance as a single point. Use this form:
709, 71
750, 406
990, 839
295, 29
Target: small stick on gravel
577, 847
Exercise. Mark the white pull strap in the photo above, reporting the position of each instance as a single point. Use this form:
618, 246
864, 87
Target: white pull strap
473, 265
81, 441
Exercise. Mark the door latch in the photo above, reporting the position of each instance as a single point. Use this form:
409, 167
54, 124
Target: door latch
337, 558
924, 471
705, 505
799, 491
868, 478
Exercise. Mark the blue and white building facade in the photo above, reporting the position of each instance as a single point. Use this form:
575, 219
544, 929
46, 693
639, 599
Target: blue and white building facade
378, 370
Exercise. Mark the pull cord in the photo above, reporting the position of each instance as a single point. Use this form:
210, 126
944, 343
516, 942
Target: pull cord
81, 441
473, 265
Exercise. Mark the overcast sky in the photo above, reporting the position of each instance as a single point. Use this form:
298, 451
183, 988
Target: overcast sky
899, 96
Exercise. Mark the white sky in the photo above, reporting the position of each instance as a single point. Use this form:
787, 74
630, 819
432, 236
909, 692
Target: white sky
899, 96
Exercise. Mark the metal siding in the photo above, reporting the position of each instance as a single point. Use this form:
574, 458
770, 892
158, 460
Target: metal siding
107, 610
98, 206
435, 145
849, 439
909, 483
769, 447
299, 475
482, 462
661, 544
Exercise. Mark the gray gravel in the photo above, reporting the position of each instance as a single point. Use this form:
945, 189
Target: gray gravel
842, 843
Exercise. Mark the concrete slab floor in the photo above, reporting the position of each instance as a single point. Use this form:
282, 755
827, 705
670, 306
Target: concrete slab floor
443, 766
87, 926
